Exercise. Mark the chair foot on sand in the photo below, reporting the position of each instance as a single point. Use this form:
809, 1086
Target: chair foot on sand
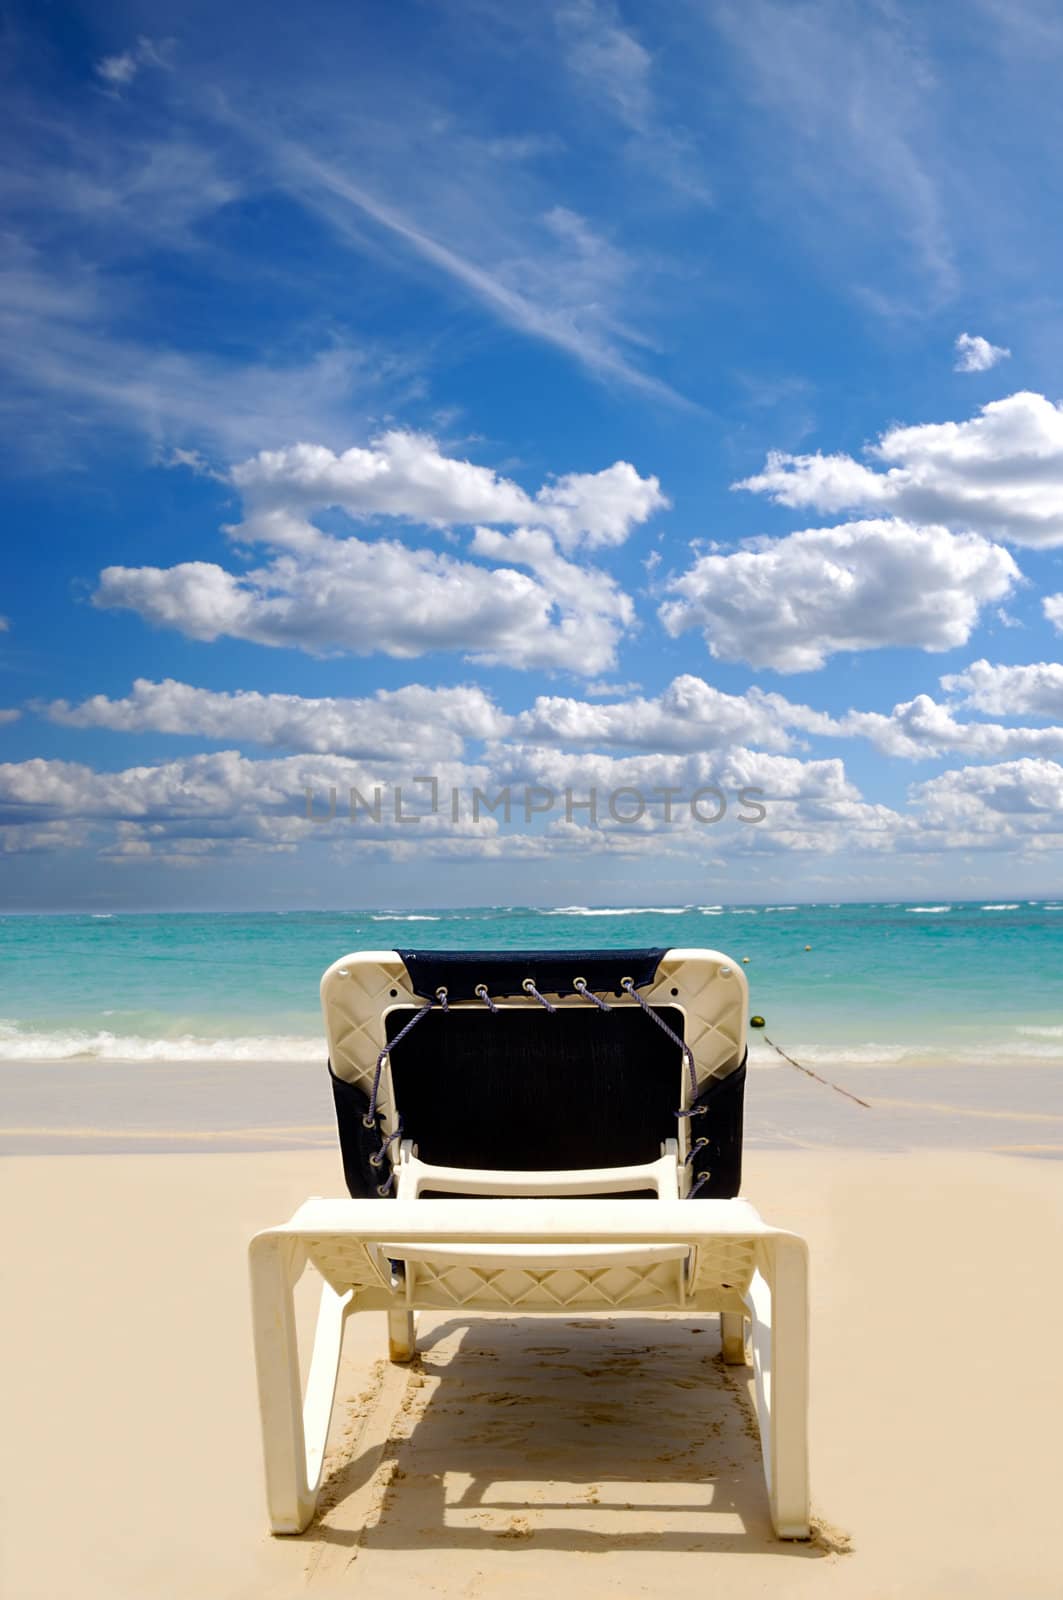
402, 1336
733, 1338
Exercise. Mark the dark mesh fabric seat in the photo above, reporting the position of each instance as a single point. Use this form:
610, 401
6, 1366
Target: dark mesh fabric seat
523, 1087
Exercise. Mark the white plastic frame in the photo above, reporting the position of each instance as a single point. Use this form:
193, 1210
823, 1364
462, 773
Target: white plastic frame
527, 1252
732, 1263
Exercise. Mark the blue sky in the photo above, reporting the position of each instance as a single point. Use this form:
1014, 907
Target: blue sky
608, 396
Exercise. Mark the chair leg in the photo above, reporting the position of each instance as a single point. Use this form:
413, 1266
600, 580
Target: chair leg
733, 1338
778, 1302
402, 1336
293, 1432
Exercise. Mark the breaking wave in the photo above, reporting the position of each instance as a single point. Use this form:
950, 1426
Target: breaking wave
74, 1044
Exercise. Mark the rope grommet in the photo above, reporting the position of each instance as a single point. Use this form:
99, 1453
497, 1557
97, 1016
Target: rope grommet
368, 1122
529, 988
695, 1149
580, 986
481, 994
441, 996
383, 1189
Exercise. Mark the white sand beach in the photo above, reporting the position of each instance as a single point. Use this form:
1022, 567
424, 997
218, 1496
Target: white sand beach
523, 1456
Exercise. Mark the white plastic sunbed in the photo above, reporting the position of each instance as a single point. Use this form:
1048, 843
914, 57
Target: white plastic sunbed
621, 1074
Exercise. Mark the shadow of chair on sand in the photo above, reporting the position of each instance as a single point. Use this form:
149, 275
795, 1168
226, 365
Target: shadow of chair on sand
592, 1435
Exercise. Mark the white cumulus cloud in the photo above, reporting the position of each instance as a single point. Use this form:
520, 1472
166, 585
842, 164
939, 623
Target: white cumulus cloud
791, 603
326, 592
997, 805
394, 725
919, 729
1032, 689
689, 715
1000, 474
362, 597
406, 475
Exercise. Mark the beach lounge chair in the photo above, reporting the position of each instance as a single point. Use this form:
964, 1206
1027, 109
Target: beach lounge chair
555, 1083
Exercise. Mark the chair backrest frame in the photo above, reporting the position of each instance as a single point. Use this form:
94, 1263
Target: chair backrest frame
516, 1087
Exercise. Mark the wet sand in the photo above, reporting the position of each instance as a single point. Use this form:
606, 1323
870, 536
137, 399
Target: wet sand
92, 1107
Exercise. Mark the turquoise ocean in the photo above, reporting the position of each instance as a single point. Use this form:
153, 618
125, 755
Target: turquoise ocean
913, 984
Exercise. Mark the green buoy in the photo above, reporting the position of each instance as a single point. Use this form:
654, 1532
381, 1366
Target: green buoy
756, 1022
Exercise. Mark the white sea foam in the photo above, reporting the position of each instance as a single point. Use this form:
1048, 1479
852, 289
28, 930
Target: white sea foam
403, 916
1012, 907
1051, 1031
853, 1055
74, 1044
616, 911
1040, 1044
711, 911
928, 911
781, 908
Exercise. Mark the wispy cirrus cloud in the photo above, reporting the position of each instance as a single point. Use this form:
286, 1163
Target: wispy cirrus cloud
851, 90
118, 71
531, 292
78, 353
614, 72
70, 379
107, 191
975, 354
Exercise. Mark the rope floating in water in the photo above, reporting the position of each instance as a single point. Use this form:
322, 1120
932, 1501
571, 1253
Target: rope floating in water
826, 1082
